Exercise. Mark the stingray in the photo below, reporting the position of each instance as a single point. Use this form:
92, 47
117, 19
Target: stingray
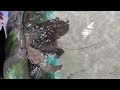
44, 36
41, 38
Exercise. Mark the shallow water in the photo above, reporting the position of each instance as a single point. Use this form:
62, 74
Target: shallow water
91, 45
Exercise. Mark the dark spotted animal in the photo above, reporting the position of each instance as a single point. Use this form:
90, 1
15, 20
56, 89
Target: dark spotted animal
45, 35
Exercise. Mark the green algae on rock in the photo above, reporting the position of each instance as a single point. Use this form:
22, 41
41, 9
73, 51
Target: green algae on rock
16, 64
10, 42
17, 70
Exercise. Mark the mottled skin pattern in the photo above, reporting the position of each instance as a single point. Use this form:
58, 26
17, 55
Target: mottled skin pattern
52, 30
43, 36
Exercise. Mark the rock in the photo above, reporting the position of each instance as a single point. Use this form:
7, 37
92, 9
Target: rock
16, 63
36, 58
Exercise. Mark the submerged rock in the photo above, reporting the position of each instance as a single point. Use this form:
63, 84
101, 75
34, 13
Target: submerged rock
37, 58
16, 64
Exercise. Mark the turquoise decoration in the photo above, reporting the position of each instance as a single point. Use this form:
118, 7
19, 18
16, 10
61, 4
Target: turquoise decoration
46, 15
41, 16
52, 60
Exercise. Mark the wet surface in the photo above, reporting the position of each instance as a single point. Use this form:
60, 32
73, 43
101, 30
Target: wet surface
90, 49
